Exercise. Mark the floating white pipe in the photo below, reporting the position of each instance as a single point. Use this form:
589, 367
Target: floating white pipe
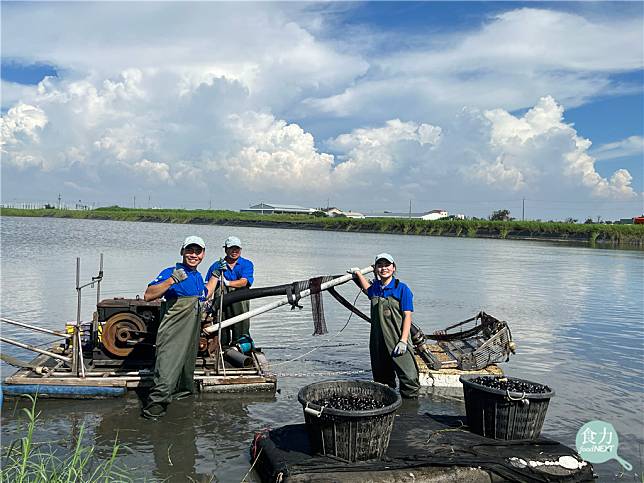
279, 303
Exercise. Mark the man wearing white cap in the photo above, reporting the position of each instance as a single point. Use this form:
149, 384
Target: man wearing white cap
238, 275
177, 340
390, 345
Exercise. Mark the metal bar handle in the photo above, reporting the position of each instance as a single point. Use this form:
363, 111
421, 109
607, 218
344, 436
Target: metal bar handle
35, 349
33, 327
313, 412
507, 394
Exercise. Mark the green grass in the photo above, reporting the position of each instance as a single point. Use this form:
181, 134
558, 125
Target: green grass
616, 235
24, 460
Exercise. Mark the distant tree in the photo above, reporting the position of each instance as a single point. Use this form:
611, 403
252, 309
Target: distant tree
589, 221
500, 215
112, 208
319, 214
571, 220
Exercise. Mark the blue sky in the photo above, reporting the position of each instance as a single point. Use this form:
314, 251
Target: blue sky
467, 106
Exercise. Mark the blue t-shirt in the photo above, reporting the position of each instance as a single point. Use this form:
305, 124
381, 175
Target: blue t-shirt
399, 291
242, 269
192, 286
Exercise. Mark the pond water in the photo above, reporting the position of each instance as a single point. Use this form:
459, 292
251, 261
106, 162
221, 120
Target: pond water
575, 313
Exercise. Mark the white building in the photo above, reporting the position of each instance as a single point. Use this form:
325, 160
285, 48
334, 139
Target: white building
277, 208
435, 215
427, 215
333, 212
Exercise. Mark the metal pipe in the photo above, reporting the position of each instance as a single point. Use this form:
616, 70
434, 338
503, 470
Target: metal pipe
33, 327
35, 349
78, 316
279, 303
99, 278
77, 346
220, 316
133, 376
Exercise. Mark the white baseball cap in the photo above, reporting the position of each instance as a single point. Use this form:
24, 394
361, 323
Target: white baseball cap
232, 241
193, 240
384, 256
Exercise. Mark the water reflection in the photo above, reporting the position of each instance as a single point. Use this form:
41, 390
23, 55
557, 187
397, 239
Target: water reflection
575, 313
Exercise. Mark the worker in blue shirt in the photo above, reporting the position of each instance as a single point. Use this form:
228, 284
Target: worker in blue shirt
390, 345
177, 339
238, 275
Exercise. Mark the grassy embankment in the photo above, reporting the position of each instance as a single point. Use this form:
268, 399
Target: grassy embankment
25, 460
617, 235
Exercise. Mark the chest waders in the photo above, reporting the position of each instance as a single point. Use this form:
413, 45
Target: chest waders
230, 335
177, 344
386, 329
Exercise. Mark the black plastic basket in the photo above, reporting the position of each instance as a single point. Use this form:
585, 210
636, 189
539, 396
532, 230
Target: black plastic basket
499, 414
349, 435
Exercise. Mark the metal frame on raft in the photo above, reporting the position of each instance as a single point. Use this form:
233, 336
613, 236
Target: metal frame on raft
66, 369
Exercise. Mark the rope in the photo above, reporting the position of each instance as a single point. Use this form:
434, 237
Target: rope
320, 346
252, 466
321, 373
282, 347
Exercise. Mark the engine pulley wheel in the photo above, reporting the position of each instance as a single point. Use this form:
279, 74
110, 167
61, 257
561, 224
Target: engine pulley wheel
121, 332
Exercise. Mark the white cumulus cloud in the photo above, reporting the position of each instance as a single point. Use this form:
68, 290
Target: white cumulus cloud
152, 169
273, 154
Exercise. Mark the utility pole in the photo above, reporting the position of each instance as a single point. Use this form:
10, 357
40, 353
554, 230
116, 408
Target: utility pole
410, 209
148, 201
210, 204
59, 201
134, 204
523, 211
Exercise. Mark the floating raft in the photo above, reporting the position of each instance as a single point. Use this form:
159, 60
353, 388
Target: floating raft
422, 448
448, 377
46, 378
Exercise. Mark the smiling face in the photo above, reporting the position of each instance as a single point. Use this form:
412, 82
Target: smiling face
193, 255
385, 269
233, 253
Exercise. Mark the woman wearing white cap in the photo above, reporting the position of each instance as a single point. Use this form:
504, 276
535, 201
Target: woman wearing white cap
238, 275
390, 344
177, 339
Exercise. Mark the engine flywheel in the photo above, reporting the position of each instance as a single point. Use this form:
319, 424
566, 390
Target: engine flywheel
121, 332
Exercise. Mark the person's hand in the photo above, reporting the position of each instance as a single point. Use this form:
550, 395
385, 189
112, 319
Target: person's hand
226, 282
178, 275
206, 306
353, 270
218, 267
400, 348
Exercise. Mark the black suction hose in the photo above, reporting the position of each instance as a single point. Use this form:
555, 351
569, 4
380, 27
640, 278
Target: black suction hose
255, 293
